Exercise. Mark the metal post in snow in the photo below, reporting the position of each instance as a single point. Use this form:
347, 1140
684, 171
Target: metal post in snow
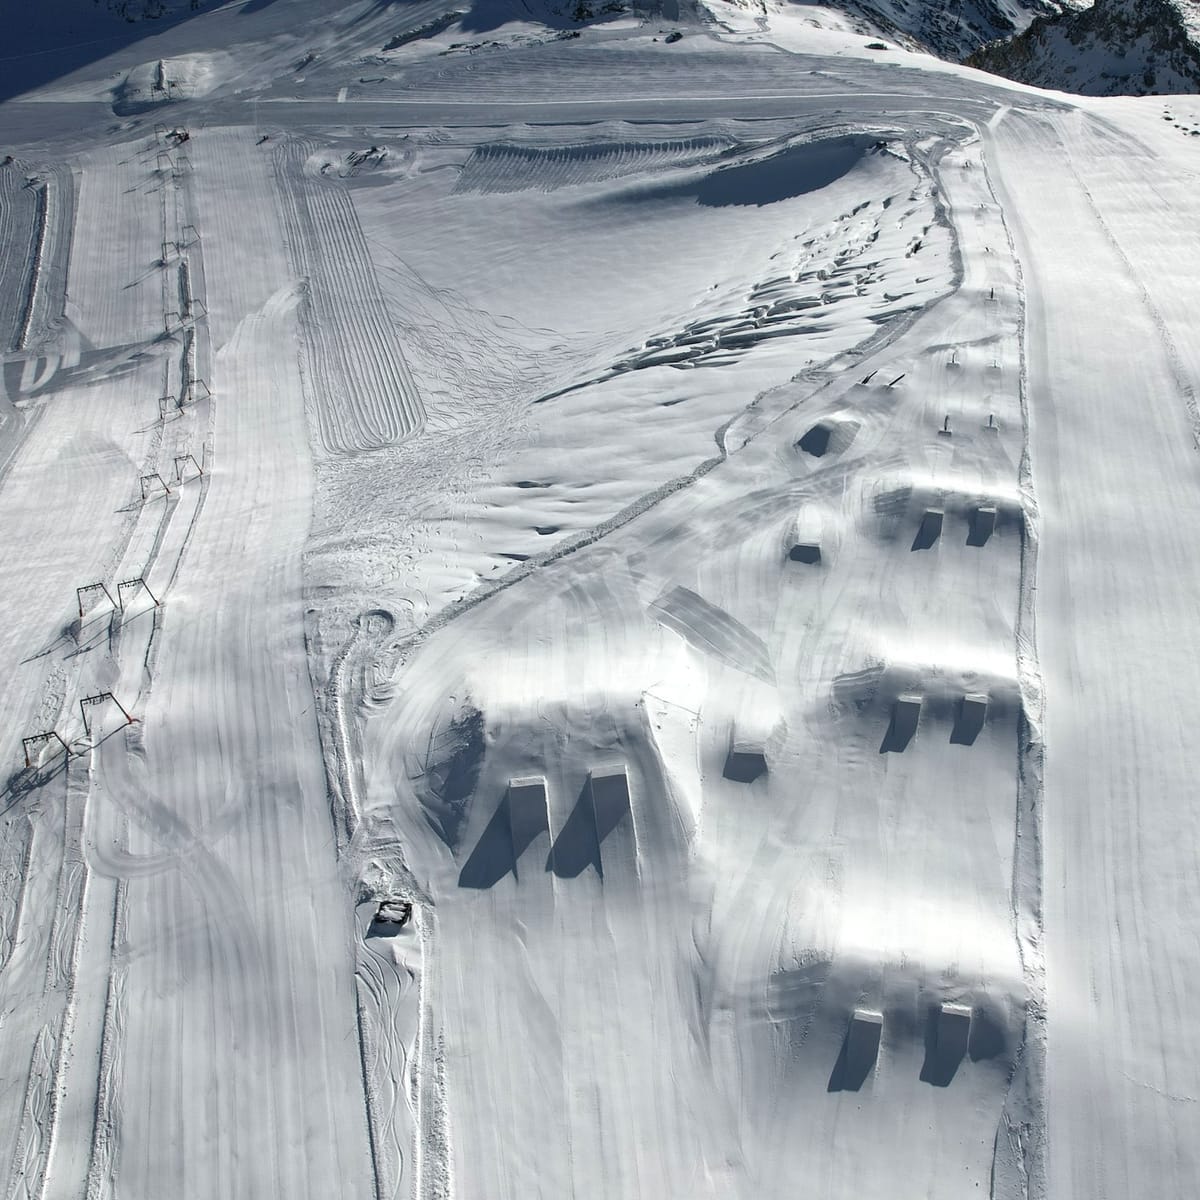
86, 702
92, 587
35, 738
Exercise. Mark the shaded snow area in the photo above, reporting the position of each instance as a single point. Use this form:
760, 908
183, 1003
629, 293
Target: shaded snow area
591, 616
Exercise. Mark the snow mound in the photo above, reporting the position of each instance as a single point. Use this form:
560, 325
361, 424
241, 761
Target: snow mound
148, 85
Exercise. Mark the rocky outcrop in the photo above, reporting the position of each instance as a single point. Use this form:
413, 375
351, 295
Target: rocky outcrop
1115, 48
150, 10
951, 29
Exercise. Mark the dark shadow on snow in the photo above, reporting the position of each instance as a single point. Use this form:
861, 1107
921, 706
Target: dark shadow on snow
906, 715
602, 805
43, 43
947, 1035
816, 441
860, 1049
983, 525
794, 171
576, 848
930, 530
494, 854
969, 720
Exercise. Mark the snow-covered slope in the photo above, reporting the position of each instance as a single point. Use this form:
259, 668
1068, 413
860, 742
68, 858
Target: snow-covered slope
1115, 48
596, 617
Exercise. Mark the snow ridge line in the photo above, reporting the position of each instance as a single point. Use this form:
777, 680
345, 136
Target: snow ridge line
69, 1013
29, 1159
14, 204
369, 1097
336, 732
427, 1084
38, 250
347, 812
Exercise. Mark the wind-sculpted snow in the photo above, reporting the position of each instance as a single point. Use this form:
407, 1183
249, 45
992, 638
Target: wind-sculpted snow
508, 168
632, 407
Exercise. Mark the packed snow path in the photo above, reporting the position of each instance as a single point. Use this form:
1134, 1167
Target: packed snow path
730, 582
1114, 442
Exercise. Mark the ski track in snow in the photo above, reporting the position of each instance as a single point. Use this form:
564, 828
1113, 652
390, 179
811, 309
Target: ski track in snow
359, 385
17, 224
1113, 832
221, 900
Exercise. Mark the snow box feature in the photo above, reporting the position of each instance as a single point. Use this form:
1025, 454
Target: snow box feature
860, 1050
816, 441
392, 915
528, 815
906, 715
968, 723
745, 762
983, 525
609, 788
930, 530
602, 804
946, 1041
519, 820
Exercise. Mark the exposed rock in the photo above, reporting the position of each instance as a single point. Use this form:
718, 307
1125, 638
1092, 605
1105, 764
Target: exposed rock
951, 30
1115, 48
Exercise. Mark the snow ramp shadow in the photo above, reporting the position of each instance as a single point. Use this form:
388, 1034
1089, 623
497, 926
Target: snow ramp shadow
795, 171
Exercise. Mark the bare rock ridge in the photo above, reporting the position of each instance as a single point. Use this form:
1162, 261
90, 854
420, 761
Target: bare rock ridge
1115, 48
149, 10
950, 30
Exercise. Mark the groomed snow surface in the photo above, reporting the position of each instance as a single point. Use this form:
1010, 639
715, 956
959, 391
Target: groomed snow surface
593, 617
